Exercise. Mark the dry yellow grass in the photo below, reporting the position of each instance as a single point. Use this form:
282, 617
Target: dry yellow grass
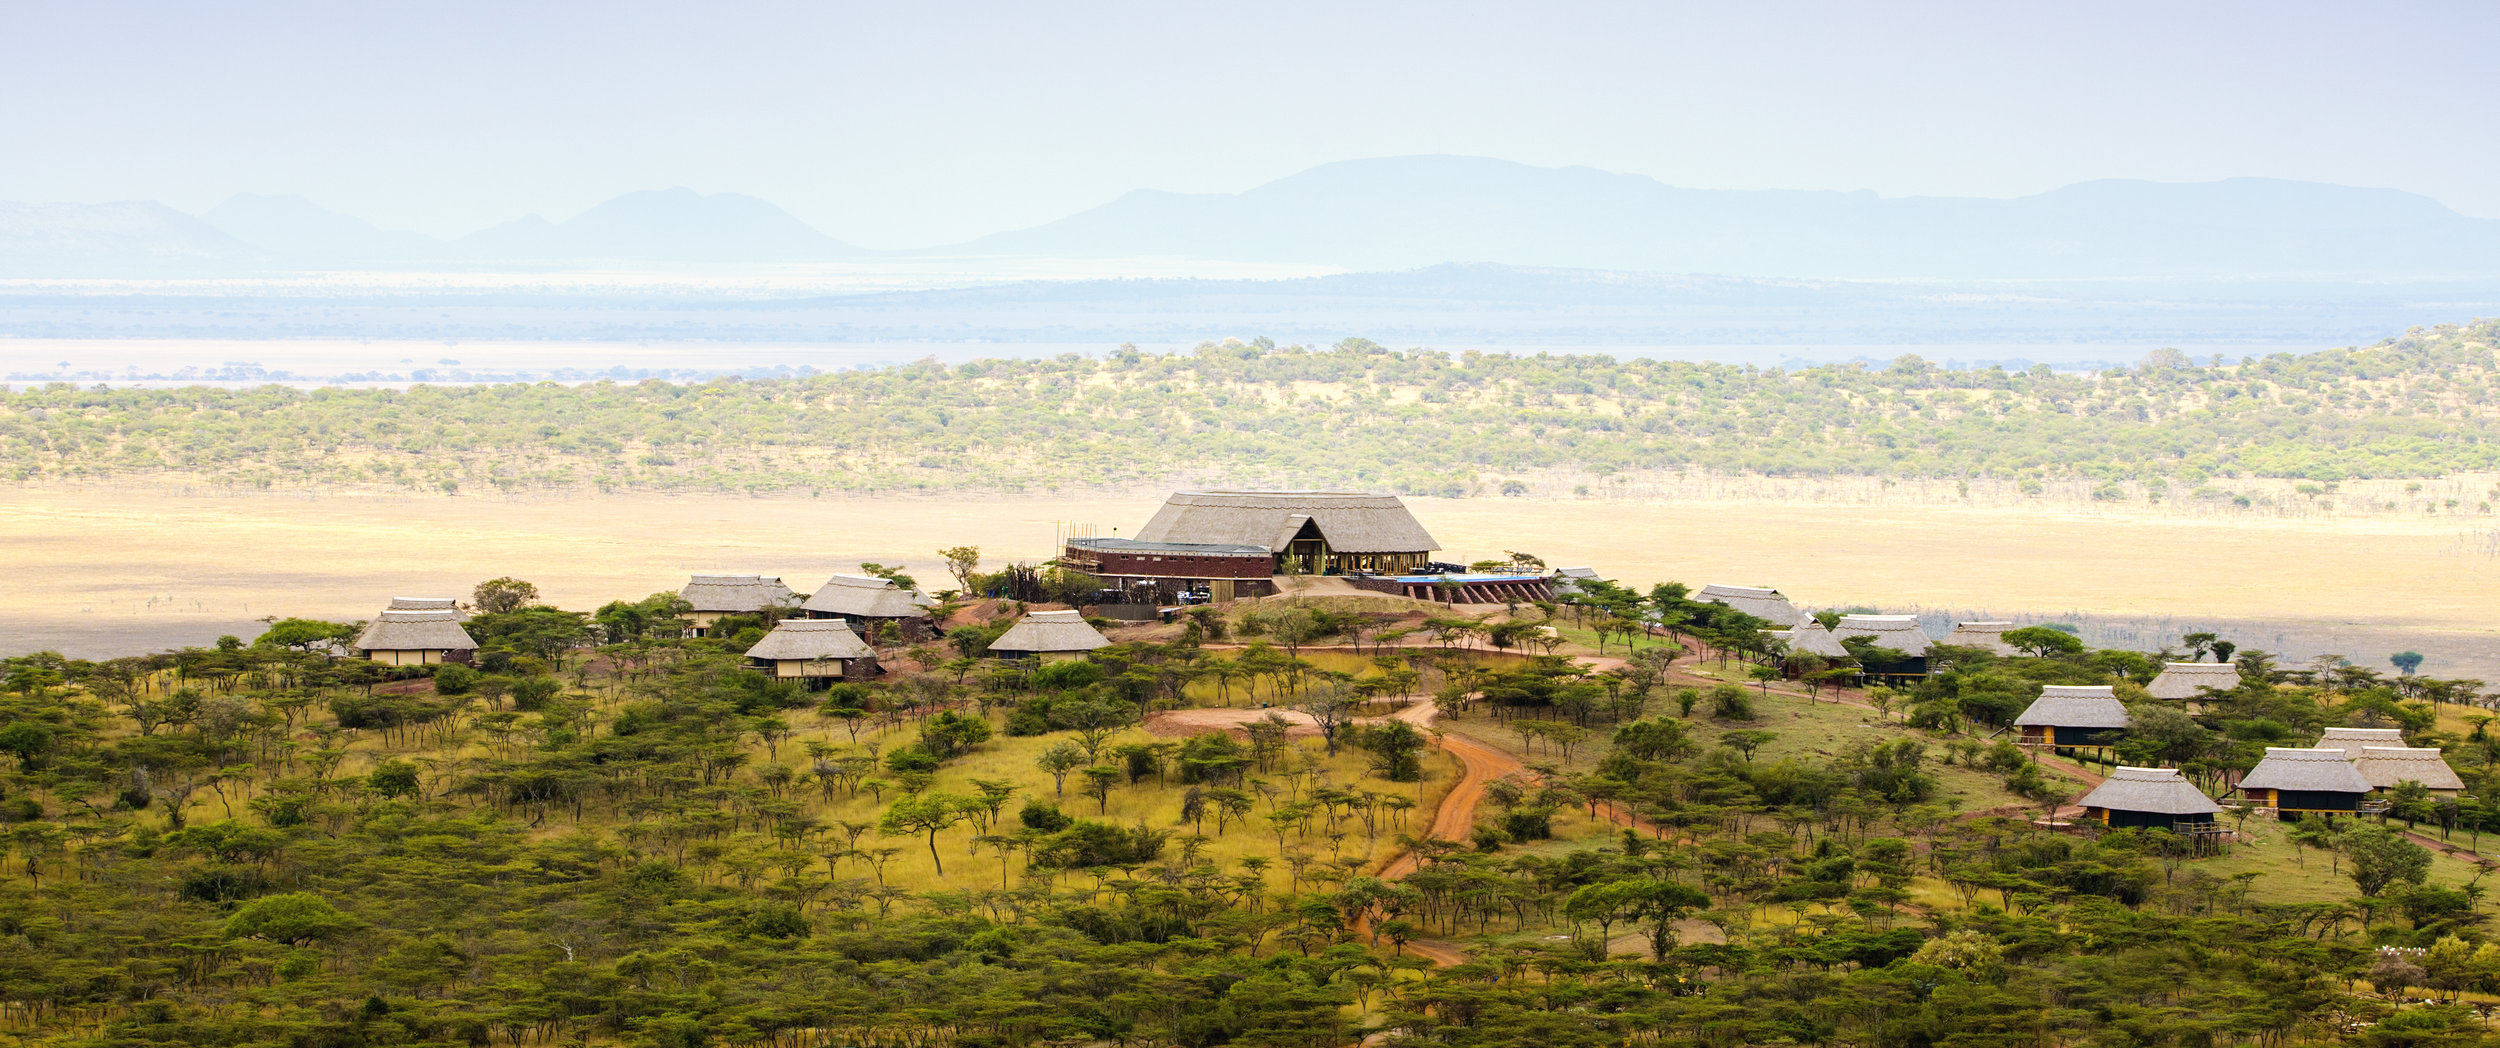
97, 570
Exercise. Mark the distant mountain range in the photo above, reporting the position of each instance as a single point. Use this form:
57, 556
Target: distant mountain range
1394, 213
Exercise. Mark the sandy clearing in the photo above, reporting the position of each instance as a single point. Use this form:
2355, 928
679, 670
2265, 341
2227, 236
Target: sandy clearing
107, 570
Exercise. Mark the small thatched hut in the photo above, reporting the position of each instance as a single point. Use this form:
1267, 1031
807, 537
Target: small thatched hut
1761, 602
1048, 635
2150, 798
416, 638
814, 650
1986, 635
2073, 715
865, 600
2190, 680
2302, 780
2383, 767
711, 597
1568, 580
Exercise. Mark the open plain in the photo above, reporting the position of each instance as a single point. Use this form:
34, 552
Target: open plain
106, 570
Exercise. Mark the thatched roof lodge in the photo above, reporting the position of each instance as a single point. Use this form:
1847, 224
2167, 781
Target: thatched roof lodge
2383, 767
814, 649
1048, 635
416, 638
1312, 532
2189, 680
1987, 635
2298, 780
2150, 798
2073, 715
711, 597
429, 604
1761, 602
862, 600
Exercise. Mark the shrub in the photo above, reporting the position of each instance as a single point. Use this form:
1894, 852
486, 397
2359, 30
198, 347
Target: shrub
1729, 702
1043, 816
455, 679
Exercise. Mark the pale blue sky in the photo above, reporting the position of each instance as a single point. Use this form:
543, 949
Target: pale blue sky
909, 124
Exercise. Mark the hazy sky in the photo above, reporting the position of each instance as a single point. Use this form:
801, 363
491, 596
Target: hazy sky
903, 124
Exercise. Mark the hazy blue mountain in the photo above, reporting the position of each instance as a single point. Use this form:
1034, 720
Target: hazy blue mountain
660, 225
298, 229
1415, 211
136, 238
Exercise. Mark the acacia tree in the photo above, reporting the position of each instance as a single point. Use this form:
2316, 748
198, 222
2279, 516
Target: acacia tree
961, 562
496, 596
929, 813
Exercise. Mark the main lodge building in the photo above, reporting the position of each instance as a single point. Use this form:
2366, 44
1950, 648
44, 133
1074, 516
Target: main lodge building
1231, 543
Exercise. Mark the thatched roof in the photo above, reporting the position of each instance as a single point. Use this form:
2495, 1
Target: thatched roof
2074, 706
803, 639
864, 597
736, 594
1352, 522
1577, 573
1760, 602
428, 604
2187, 680
1049, 631
1898, 632
2159, 791
1986, 635
2385, 766
2351, 740
432, 630
2322, 771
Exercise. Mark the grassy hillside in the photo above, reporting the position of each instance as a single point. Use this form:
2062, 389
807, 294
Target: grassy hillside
1419, 422
632, 840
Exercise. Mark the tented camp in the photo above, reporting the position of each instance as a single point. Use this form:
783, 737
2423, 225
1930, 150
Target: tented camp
814, 650
1048, 635
1761, 602
2187, 681
1305, 532
1899, 633
2296, 780
2353, 740
2073, 715
710, 597
2150, 798
429, 604
1986, 635
416, 638
866, 601
2383, 767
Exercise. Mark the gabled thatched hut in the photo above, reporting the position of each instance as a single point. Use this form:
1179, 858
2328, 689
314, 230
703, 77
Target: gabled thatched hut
1761, 602
711, 597
2383, 767
2073, 715
2304, 780
2150, 798
1310, 532
865, 600
814, 649
1986, 635
416, 638
2190, 680
1048, 635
